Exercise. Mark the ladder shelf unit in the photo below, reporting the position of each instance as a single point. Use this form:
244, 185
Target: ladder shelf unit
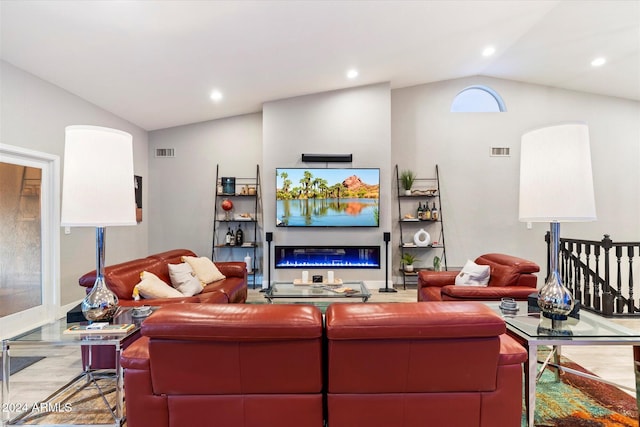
414, 230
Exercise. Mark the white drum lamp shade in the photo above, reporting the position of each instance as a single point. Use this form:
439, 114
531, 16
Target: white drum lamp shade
556, 183
98, 187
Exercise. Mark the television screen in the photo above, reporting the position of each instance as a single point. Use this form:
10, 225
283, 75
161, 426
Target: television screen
307, 197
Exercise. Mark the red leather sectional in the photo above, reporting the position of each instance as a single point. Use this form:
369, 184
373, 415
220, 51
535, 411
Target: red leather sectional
424, 364
122, 278
203, 365
388, 365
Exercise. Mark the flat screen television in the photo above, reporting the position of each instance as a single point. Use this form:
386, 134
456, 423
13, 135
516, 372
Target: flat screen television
327, 197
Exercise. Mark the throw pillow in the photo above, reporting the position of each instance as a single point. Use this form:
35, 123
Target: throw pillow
151, 286
184, 279
204, 268
473, 274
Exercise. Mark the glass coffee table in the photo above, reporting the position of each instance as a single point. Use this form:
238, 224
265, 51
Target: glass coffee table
52, 335
321, 291
534, 330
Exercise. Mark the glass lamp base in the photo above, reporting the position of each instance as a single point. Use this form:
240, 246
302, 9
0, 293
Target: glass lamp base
100, 304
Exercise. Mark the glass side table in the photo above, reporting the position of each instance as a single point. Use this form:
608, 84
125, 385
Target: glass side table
52, 335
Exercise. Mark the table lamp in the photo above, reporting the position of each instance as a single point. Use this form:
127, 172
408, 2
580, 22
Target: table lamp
98, 191
556, 185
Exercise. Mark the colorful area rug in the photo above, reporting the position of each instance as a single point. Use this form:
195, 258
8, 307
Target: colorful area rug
576, 401
19, 363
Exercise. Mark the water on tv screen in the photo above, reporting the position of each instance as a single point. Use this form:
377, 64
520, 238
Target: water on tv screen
308, 197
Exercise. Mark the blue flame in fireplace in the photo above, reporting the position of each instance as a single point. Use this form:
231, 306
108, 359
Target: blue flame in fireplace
327, 257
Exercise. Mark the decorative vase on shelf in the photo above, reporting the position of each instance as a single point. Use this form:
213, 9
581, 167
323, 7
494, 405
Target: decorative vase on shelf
100, 304
422, 238
227, 206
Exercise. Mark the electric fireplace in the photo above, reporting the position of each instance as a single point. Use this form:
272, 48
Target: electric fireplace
327, 257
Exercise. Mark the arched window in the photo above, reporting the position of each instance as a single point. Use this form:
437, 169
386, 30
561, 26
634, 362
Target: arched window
478, 99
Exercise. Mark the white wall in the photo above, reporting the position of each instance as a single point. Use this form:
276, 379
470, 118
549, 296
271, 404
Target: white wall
480, 193
182, 188
355, 121
34, 114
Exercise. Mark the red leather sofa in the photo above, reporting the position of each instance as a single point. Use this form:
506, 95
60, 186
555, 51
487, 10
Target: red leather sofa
231, 365
510, 277
122, 278
422, 364
402, 365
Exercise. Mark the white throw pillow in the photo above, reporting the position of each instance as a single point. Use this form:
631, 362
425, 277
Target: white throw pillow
204, 268
184, 279
473, 274
151, 286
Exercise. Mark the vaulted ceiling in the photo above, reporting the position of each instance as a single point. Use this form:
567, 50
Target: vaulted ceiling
155, 63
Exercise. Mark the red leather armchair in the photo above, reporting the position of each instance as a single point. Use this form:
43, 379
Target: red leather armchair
226, 365
510, 277
421, 364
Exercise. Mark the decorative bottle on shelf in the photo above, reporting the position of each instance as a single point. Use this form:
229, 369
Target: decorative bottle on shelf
434, 212
239, 236
232, 239
420, 211
426, 215
227, 237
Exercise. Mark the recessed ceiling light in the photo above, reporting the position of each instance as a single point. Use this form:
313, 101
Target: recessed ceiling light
216, 95
598, 62
352, 74
488, 51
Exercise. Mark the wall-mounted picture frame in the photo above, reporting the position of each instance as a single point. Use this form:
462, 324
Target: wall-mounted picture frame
137, 182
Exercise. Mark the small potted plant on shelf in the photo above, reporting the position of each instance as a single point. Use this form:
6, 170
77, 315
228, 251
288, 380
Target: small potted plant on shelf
407, 177
408, 260
437, 263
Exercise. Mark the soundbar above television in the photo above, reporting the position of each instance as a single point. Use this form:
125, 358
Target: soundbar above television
327, 197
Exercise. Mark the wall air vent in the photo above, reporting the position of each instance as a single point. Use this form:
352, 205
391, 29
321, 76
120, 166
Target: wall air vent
165, 152
500, 152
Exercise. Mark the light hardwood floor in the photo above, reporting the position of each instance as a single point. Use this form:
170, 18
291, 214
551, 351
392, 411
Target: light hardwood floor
613, 363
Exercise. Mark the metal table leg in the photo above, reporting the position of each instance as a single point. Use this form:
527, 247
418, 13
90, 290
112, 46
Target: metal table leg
530, 376
4, 398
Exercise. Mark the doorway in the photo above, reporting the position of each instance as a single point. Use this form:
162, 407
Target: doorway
29, 239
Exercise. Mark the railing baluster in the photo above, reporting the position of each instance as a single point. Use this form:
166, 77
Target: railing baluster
607, 296
569, 269
630, 253
578, 277
619, 302
596, 284
586, 296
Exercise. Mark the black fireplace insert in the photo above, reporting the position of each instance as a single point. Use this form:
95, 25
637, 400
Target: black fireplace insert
327, 257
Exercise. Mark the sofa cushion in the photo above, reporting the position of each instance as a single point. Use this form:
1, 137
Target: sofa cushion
473, 274
152, 287
205, 269
507, 270
483, 293
184, 279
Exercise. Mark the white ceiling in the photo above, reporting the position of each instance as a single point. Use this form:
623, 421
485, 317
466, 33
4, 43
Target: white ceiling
155, 63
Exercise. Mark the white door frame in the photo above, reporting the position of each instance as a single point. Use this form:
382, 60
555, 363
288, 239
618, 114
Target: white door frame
50, 233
